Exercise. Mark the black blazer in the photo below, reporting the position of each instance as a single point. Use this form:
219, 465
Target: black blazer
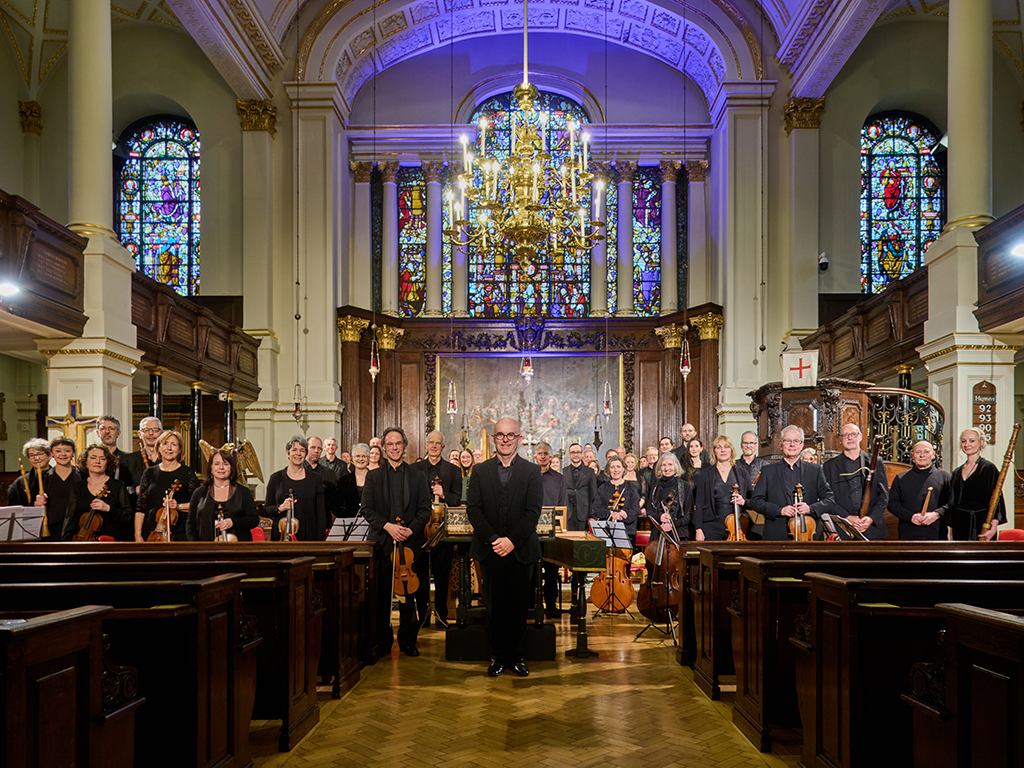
770, 497
379, 508
448, 474
581, 497
843, 503
525, 491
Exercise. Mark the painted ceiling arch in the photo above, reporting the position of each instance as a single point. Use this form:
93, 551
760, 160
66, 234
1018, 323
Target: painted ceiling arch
349, 44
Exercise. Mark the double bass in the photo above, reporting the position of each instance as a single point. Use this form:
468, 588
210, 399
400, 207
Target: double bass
166, 517
612, 591
91, 523
736, 524
802, 526
658, 597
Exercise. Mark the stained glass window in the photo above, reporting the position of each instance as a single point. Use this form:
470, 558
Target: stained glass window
412, 241
902, 197
158, 213
647, 241
497, 286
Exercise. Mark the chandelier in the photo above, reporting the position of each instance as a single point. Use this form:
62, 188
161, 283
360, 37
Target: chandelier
526, 204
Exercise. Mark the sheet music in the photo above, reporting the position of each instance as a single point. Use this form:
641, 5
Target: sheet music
612, 533
349, 529
21, 523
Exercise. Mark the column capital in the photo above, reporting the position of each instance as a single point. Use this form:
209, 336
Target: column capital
389, 170
361, 172
257, 115
671, 336
351, 328
433, 172
697, 170
196, 385
708, 326
388, 335
905, 368
601, 170
803, 112
669, 170
625, 171
31, 114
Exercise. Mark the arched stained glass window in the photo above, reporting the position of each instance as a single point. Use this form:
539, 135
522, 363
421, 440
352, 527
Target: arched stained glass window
647, 241
902, 197
412, 241
158, 213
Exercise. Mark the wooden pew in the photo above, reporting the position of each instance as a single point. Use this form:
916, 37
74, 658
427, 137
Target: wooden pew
775, 597
968, 705
865, 635
279, 593
195, 653
53, 703
341, 571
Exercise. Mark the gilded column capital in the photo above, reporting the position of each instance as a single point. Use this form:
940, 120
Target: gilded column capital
601, 170
389, 171
433, 172
697, 171
196, 385
625, 172
669, 170
388, 335
708, 326
361, 172
351, 328
257, 115
905, 368
31, 114
803, 112
671, 335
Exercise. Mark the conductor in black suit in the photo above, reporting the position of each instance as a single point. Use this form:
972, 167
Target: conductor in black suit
773, 494
396, 503
503, 504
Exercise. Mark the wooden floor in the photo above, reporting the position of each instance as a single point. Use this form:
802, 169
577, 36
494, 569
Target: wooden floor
633, 706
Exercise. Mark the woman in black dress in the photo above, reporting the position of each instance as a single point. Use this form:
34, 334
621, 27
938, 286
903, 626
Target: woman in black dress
157, 480
714, 492
37, 451
693, 465
618, 499
221, 494
671, 497
351, 485
99, 493
58, 487
971, 489
466, 461
296, 488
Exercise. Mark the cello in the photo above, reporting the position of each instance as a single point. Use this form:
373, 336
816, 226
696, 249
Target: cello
91, 523
612, 591
658, 597
736, 524
802, 526
166, 517
404, 581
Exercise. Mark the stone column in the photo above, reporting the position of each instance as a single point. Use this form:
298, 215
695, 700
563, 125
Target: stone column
31, 114
803, 124
350, 329
669, 258
460, 281
389, 381
709, 327
599, 253
361, 249
624, 276
699, 286
389, 244
433, 173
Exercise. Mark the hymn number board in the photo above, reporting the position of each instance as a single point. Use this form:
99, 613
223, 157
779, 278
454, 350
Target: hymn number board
985, 409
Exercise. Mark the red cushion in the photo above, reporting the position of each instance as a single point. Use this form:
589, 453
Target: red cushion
257, 534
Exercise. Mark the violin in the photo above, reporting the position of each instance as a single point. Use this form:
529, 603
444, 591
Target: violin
802, 526
166, 517
736, 523
223, 536
405, 582
91, 522
658, 597
612, 591
289, 524
436, 519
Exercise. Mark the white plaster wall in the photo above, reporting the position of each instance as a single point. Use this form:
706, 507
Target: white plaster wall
18, 379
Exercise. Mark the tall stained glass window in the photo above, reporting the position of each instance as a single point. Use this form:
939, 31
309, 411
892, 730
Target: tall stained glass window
158, 213
647, 241
412, 241
497, 286
902, 197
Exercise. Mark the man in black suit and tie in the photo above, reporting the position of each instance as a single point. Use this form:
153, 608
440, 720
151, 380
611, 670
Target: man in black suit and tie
503, 504
773, 494
396, 503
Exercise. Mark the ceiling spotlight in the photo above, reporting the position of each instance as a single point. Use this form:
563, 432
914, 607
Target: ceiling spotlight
1018, 250
7, 288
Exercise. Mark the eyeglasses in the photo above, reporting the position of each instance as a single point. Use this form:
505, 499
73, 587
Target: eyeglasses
394, 445
749, 442
849, 434
37, 454
506, 436
151, 429
792, 442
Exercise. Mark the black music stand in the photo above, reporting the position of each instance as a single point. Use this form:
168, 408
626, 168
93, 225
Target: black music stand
663, 545
21, 523
349, 529
613, 534
843, 525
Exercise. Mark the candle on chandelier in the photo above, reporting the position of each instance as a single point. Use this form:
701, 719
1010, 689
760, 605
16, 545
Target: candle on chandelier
536, 169
572, 141
586, 141
561, 173
483, 136
598, 190
451, 207
543, 130
465, 152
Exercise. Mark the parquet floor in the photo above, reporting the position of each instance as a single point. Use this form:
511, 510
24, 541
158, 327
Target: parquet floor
633, 706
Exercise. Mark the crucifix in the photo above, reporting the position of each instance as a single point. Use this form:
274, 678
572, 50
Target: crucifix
73, 425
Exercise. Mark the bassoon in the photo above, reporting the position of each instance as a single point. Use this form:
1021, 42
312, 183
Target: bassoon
993, 503
865, 502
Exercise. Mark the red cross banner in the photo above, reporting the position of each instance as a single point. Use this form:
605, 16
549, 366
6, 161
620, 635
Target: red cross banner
800, 369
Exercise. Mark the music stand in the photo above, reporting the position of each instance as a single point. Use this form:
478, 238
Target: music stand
843, 525
21, 523
349, 529
614, 535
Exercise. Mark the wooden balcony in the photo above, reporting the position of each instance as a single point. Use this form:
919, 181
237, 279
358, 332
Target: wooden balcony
1001, 274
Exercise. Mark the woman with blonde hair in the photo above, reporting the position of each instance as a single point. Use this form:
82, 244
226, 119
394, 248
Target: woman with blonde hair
157, 481
971, 490
715, 495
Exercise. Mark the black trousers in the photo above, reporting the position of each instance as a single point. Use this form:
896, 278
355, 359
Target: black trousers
508, 597
436, 562
408, 623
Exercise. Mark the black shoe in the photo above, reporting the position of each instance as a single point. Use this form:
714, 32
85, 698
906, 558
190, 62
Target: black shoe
496, 669
520, 669
552, 613
413, 651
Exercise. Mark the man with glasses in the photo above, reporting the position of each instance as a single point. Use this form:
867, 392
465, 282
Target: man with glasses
774, 493
503, 503
749, 464
847, 476
137, 462
396, 503
556, 494
108, 428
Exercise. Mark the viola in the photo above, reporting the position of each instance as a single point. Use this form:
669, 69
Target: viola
802, 526
405, 582
166, 517
658, 597
436, 519
222, 536
91, 522
612, 590
289, 524
736, 523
